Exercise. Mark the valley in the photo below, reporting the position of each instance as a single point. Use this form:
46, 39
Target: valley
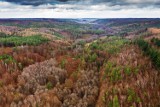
79, 62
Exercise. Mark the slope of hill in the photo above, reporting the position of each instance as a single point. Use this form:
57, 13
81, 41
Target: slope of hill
62, 63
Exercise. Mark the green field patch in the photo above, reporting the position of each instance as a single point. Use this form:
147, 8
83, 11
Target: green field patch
12, 41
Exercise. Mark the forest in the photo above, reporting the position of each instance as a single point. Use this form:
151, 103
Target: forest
66, 63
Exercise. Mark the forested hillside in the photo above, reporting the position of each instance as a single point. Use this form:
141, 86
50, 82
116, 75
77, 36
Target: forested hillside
67, 63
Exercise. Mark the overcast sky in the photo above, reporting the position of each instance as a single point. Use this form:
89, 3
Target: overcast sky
79, 8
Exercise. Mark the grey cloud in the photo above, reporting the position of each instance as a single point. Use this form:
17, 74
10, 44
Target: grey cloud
137, 3
36, 2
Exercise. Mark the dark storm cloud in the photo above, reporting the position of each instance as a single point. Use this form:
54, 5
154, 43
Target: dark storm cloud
138, 3
31, 2
37, 2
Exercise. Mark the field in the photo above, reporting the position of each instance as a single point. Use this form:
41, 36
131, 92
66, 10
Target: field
67, 63
12, 41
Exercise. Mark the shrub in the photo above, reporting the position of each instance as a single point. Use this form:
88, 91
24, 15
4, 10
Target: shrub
127, 70
107, 69
82, 43
63, 63
132, 96
49, 85
115, 102
94, 46
20, 66
7, 58
58, 35
151, 52
1, 84
136, 70
93, 57
113, 72
3, 34
156, 41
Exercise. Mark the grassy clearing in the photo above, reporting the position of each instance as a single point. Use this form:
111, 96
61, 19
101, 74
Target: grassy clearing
111, 44
18, 40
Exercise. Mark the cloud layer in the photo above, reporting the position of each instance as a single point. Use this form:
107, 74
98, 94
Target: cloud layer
79, 8
87, 2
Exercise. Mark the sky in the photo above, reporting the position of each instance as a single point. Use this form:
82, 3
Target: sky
79, 8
